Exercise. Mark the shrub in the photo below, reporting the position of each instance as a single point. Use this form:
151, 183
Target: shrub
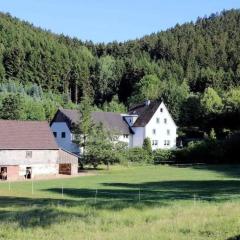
147, 145
163, 156
137, 155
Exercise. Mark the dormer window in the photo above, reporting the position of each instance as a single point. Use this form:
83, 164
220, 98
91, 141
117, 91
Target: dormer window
154, 131
157, 120
161, 109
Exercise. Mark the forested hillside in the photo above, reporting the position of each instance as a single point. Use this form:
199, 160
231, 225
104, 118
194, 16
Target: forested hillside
194, 67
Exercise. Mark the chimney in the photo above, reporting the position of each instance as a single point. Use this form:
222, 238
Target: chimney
147, 102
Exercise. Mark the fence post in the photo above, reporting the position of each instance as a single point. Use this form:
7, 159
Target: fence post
95, 200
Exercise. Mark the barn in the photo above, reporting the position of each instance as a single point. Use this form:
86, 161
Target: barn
28, 150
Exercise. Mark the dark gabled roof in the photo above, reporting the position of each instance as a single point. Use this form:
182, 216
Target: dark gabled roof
144, 112
26, 135
110, 120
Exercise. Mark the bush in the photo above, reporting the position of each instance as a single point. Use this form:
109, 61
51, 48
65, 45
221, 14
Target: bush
137, 155
207, 151
163, 156
147, 145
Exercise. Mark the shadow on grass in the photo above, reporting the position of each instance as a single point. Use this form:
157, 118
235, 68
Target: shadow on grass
43, 212
30, 212
161, 192
234, 238
232, 171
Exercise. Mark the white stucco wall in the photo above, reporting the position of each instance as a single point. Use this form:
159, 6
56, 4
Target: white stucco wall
42, 162
39, 169
64, 143
162, 129
17, 157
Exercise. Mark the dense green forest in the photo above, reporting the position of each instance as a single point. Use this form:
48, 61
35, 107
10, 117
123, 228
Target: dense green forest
194, 68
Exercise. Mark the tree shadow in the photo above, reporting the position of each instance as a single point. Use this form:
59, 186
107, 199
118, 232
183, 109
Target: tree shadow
234, 238
164, 192
231, 170
31, 212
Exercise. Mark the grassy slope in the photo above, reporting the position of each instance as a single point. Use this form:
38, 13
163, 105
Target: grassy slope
175, 203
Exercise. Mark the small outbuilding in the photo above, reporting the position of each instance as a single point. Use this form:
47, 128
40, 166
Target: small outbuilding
28, 149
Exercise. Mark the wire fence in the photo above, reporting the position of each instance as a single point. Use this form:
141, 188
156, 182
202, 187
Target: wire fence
136, 195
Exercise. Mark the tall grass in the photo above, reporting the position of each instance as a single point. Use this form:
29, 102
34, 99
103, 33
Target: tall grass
179, 203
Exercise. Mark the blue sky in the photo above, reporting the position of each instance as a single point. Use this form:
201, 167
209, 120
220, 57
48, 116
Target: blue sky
108, 20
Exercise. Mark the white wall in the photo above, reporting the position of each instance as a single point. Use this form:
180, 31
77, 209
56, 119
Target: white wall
138, 136
162, 128
17, 157
42, 161
65, 143
39, 169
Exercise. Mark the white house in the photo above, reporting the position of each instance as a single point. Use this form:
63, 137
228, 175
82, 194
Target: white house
28, 149
65, 119
152, 120
146, 120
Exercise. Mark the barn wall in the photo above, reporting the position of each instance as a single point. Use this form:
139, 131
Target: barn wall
65, 157
12, 172
19, 157
39, 169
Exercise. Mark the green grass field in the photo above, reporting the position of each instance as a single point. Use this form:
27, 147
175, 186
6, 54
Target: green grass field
147, 202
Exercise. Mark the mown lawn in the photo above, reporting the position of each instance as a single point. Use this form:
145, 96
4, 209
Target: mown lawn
147, 202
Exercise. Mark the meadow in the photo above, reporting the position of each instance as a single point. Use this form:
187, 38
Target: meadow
136, 202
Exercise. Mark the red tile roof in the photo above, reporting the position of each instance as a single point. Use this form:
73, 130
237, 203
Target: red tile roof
26, 135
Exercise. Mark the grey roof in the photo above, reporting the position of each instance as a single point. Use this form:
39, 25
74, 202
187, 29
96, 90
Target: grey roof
110, 120
27, 135
145, 112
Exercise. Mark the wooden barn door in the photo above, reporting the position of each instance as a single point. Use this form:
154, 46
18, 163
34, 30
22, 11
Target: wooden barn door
65, 168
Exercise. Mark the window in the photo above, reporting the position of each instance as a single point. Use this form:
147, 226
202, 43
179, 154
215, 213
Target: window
154, 142
157, 120
125, 135
168, 132
28, 154
154, 131
165, 120
166, 143
55, 134
63, 134
161, 110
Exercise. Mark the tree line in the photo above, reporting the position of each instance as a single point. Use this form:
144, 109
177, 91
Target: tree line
194, 68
